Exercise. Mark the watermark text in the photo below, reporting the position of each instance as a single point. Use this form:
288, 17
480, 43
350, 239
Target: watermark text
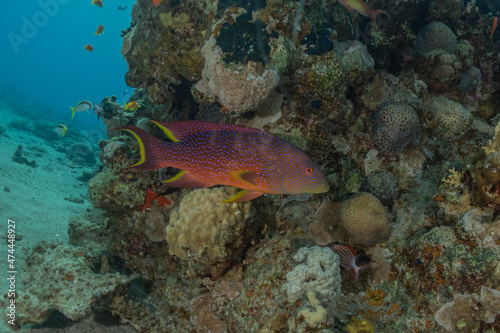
31, 26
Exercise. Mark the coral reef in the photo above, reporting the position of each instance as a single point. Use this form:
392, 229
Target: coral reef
449, 261
332, 73
423, 214
382, 185
205, 232
20, 157
318, 271
81, 154
313, 316
478, 225
154, 220
357, 60
262, 296
82, 231
433, 36
114, 154
447, 119
164, 46
388, 87
466, 311
395, 127
62, 277
365, 219
469, 79
117, 192
327, 74
486, 174
357, 325
239, 89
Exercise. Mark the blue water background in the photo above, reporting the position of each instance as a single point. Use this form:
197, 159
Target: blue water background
53, 67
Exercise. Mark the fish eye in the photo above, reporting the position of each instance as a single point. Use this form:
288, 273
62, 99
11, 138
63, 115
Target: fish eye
309, 170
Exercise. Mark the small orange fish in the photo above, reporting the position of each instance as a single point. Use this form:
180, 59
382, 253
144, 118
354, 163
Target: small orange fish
100, 30
156, 3
359, 6
493, 27
89, 48
98, 3
132, 106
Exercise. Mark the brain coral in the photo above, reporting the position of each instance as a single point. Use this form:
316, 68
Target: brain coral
365, 219
382, 185
395, 127
205, 231
433, 36
319, 271
448, 119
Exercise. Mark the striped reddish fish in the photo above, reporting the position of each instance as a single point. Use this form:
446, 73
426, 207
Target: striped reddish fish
348, 256
211, 154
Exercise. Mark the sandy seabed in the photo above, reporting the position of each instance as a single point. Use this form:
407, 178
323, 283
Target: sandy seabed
40, 200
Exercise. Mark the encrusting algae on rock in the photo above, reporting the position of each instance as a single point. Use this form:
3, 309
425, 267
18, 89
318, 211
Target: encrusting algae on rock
358, 325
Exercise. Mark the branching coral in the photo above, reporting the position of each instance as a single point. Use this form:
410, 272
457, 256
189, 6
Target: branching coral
455, 178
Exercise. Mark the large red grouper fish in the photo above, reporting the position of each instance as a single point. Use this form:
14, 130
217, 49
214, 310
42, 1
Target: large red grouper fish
211, 154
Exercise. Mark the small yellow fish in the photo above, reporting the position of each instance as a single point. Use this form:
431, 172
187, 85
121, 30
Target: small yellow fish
81, 107
100, 30
132, 106
98, 3
61, 130
359, 6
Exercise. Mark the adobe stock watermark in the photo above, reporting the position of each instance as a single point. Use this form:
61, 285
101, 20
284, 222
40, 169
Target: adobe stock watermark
31, 27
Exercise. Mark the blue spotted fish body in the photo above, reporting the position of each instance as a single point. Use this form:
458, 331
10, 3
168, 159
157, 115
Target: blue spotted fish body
211, 154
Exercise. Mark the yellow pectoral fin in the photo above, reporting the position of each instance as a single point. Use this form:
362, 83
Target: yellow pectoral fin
244, 195
250, 178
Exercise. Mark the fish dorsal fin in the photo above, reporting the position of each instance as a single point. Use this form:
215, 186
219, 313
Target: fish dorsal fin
244, 195
184, 179
250, 177
178, 130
